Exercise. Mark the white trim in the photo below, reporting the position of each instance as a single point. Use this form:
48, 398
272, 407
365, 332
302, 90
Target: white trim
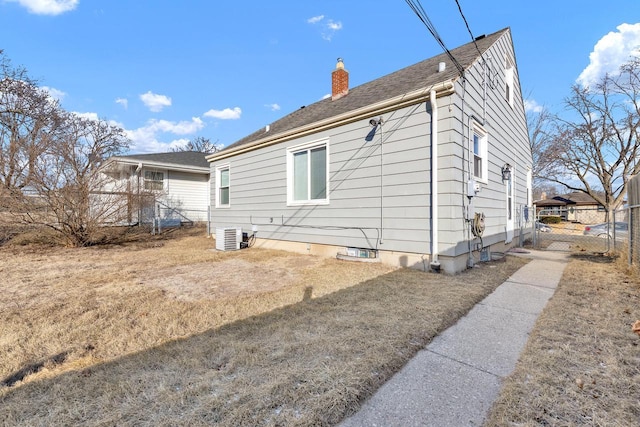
219, 169
510, 205
529, 187
324, 142
410, 98
165, 178
509, 80
483, 142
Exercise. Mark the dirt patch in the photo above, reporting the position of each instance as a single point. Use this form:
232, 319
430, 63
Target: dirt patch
230, 278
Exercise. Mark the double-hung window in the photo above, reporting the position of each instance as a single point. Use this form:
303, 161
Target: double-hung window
479, 147
153, 181
308, 173
223, 186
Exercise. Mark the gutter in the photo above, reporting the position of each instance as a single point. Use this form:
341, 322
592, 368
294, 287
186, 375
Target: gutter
162, 165
410, 98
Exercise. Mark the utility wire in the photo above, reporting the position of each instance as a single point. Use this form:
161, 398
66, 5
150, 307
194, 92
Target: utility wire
422, 15
469, 29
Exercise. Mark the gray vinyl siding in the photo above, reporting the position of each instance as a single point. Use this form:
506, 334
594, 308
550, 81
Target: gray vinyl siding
508, 142
258, 193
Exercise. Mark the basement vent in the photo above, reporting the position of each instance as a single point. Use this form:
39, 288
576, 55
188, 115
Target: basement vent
228, 238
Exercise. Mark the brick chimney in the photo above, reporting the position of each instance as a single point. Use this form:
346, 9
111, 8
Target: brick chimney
339, 81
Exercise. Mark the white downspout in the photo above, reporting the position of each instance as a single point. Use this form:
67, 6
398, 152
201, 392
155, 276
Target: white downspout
435, 263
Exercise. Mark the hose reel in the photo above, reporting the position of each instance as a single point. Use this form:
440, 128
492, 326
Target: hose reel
477, 224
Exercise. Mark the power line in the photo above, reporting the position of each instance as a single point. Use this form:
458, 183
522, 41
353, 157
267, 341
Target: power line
422, 15
468, 28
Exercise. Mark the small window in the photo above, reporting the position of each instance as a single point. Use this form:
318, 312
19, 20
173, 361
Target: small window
307, 174
508, 78
223, 186
480, 163
153, 181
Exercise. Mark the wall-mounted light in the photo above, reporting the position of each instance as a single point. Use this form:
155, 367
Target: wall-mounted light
506, 172
374, 122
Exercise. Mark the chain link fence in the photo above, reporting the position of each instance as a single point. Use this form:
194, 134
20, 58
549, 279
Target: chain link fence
581, 230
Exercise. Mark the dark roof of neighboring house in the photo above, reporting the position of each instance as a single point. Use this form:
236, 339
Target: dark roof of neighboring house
178, 158
575, 198
422, 74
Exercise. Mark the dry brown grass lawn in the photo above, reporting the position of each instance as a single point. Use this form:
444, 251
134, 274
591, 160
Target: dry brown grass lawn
169, 332
581, 365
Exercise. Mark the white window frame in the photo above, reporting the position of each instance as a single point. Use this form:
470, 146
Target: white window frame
153, 182
509, 80
219, 170
510, 204
529, 187
482, 153
290, 173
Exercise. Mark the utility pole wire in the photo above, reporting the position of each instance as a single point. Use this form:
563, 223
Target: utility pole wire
468, 28
422, 15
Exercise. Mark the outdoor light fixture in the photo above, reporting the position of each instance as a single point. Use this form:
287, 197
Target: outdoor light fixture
374, 122
506, 172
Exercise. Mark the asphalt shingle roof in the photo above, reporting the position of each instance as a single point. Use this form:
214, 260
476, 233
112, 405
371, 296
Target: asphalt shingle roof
420, 75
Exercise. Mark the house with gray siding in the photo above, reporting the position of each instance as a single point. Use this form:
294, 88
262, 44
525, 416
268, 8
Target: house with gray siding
428, 167
177, 183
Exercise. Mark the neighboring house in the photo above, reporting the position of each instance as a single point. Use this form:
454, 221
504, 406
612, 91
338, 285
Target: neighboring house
177, 184
399, 165
575, 207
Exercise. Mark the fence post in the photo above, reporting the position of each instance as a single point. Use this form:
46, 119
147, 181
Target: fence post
535, 226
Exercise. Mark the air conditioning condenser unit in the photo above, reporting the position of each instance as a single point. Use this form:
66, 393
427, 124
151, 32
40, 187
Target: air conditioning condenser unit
228, 238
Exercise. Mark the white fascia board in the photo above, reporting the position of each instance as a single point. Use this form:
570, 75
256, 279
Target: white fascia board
404, 100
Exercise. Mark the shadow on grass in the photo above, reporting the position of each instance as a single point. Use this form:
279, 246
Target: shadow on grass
311, 363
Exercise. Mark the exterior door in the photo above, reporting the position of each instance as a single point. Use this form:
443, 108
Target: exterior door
510, 206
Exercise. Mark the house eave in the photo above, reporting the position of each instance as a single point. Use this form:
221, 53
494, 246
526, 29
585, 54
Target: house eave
159, 165
444, 88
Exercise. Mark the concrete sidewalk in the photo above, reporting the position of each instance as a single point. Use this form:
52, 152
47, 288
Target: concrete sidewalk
456, 378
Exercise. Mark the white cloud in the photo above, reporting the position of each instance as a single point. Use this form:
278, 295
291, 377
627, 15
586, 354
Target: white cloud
611, 51
329, 27
273, 107
88, 116
226, 114
146, 139
315, 19
155, 102
47, 7
54, 93
335, 26
532, 105
123, 101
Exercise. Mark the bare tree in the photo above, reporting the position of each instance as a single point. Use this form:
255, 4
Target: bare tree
66, 182
50, 161
28, 117
541, 124
595, 147
200, 144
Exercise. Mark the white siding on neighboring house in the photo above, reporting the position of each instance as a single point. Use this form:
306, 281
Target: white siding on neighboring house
189, 193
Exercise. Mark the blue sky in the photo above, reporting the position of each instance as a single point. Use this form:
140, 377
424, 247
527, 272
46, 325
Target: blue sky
168, 71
